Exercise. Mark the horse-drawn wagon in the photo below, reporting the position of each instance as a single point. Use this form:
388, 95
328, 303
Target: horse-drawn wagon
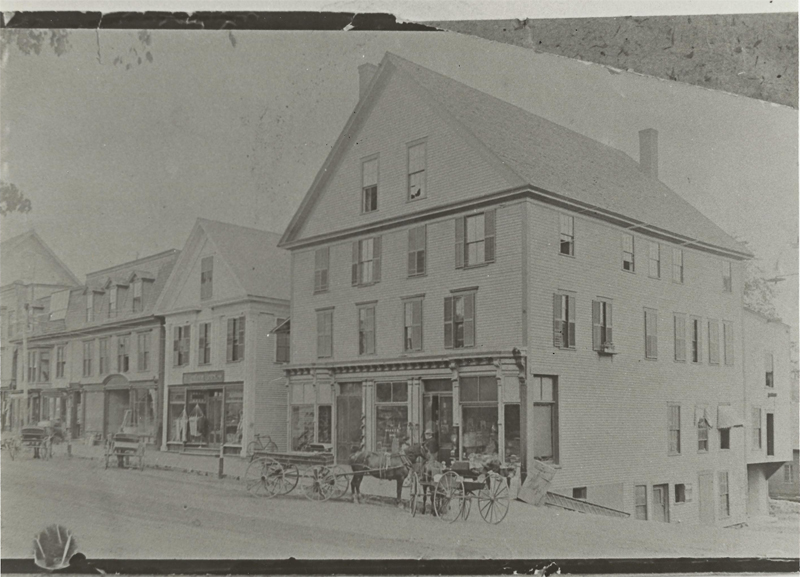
273, 473
39, 439
125, 446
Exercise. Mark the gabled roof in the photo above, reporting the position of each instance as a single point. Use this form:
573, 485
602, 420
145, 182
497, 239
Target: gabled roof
8, 247
259, 267
548, 157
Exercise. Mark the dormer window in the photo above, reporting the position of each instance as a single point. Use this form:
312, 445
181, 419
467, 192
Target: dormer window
137, 296
417, 164
369, 185
90, 307
112, 301
206, 277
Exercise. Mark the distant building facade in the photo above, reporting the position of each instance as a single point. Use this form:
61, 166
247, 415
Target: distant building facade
94, 353
29, 271
224, 365
464, 266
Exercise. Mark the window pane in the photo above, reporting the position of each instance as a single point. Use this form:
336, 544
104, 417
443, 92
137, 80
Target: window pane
383, 392
416, 158
543, 432
399, 392
370, 172
488, 389
324, 424
234, 399
469, 389
480, 430
512, 431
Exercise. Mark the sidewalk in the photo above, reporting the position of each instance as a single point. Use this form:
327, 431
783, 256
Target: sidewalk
234, 467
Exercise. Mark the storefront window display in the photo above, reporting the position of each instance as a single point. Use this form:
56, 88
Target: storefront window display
512, 432
234, 403
391, 416
143, 403
324, 427
178, 417
302, 427
479, 417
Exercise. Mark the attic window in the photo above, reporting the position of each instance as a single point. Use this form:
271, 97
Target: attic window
206, 277
137, 295
369, 185
416, 171
112, 302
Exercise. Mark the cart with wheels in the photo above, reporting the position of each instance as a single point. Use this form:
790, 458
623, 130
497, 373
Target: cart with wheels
274, 473
127, 449
39, 440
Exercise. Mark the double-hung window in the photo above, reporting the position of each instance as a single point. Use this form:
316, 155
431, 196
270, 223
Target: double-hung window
366, 329
417, 241
713, 342
366, 267
180, 345
412, 324
769, 362
33, 367
679, 322
204, 344
459, 320
627, 252
677, 265
727, 278
102, 357
143, 351
650, 334
90, 307
44, 366
325, 333
417, 163
61, 362
123, 356
475, 239
235, 347
654, 262
282, 343
563, 321
369, 185
321, 268
674, 414
88, 347
545, 418
112, 301
703, 427
727, 340
601, 325
724, 497
567, 232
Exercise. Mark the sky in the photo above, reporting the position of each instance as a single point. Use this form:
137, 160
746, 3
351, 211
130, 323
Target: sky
120, 160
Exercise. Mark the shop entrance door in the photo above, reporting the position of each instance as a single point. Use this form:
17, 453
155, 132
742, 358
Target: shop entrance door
661, 503
215, 418
437, 415
348, 421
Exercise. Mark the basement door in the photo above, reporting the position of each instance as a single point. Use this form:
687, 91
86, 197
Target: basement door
705, 498
661, 503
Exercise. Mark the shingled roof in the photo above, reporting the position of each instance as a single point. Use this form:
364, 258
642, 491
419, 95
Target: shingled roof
562, 161
559, 163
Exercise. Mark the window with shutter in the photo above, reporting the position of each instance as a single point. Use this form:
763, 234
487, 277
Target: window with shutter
475, 239
417, 240
459, 320
727, 337
651, 334
564, 321
412, 329
713, 342
321, 267
674, 429
695, 329
655, 260
602, 338
366, 268
366, 330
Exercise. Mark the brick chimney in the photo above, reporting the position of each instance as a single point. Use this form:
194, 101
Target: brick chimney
648, 151
365, 74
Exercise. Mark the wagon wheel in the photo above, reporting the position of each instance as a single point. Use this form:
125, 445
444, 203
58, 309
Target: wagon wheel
334, 482
280, 479
291, 476
257, 480
493, 499
312, 482
449, 499
416, 494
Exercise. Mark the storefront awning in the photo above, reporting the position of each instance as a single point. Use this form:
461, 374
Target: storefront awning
727, 417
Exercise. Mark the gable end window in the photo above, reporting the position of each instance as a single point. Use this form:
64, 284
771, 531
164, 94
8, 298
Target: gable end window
235, 341
206, 277
417, 241
112, 301
321, 268
601, 326
563, 321
727, 278
677, 265
627, 252
459, 321
369, 185
417, 163
650, 334
567, 232
475, 239
366, 268
136, 305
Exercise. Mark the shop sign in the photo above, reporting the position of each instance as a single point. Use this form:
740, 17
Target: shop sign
204, 377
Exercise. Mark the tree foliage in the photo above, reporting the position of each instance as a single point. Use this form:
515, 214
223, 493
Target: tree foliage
759, 291
12, 200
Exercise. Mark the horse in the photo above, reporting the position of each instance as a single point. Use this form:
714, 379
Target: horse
425, 470
390, 466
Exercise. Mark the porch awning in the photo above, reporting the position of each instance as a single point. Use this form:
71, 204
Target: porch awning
727, 417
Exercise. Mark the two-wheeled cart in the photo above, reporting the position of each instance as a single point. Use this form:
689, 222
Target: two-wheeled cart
454, 490
126, 448
278, 473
